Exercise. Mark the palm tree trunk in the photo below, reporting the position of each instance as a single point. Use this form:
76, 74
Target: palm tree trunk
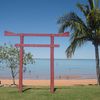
97, 63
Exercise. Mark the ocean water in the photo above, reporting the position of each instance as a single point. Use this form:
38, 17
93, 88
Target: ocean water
64, 69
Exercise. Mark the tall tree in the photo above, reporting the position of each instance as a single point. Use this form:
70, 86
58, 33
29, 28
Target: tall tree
83, 30
9, 55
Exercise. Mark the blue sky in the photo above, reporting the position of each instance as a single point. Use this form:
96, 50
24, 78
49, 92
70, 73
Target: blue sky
39, 16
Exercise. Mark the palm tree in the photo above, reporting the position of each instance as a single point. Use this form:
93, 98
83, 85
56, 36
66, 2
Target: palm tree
83, 29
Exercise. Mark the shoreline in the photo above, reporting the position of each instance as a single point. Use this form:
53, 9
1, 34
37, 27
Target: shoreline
70, 82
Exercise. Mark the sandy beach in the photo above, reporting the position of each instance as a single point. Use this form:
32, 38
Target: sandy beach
57, 82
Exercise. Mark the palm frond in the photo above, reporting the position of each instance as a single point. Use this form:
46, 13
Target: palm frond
76, 43
73, 21
97, 3
83, 8
80, 33
91, 3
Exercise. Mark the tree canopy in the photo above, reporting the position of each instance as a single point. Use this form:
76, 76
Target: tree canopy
9, 55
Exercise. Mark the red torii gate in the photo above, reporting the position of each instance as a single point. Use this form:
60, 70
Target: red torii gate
51, 45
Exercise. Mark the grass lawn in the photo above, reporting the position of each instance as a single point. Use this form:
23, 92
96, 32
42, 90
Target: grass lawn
61, 93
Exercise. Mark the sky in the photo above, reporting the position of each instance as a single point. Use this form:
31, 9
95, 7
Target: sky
40, 16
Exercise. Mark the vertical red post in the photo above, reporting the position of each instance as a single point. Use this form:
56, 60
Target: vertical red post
52, 65
21, 64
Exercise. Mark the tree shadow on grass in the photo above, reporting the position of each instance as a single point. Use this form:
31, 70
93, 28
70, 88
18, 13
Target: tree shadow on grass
35, 88
55, 89
27, 89
38, 88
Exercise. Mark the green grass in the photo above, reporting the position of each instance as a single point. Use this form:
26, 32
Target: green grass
64, 93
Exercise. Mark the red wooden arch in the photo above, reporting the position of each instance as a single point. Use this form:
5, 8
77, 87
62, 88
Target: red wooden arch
51, 46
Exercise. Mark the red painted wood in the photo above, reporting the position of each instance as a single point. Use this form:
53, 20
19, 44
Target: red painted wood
21, 65
52, 65
36, 45
36, 34
51, 45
